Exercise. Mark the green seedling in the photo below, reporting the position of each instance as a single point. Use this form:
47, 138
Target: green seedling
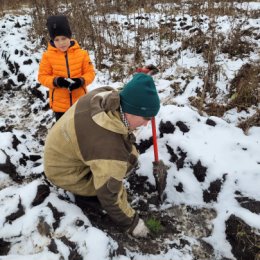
154, 225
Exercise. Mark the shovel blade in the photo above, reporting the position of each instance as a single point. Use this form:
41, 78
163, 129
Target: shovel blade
160, 175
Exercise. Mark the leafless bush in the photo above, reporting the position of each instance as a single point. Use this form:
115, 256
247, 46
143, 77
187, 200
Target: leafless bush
253, 120
93, 28
215, 109
237, 44
216, 7
244, 93
208, 45
244, 88
14, 5
96, 26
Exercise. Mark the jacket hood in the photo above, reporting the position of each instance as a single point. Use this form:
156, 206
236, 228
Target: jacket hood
105, 111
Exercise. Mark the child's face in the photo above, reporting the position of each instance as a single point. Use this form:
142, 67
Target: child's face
62, 43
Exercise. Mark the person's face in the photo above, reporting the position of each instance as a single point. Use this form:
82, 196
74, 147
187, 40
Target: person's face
62, 43
136, 121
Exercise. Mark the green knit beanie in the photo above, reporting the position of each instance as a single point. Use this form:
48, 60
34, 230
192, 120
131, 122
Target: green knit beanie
139, 96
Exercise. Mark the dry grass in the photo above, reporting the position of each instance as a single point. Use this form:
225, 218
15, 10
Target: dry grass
14, 6
254, 120
237, 44
244, 88
92, 28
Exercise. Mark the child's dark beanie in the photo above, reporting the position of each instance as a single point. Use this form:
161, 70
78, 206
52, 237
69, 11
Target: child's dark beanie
58, 25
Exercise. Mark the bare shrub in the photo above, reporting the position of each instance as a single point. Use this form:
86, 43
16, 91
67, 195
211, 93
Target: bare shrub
197, 42
97, 28
216, 7
254, 120
209, 54
14, 6
237, 44
244, 88
244, 93
215, 109
211, 108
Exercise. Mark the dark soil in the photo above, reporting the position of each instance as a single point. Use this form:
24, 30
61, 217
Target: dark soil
43, 192
166, 128
183, 127
244, 240
178, 158
144, 145
199, 171
211, 122
72, 247
9, 168
4, 247
248, 203
13, 216
176, 223
211, 194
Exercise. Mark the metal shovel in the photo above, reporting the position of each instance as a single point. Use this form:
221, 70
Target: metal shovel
159, 168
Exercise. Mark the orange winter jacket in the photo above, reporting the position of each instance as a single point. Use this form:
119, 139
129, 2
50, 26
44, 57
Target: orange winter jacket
74, 63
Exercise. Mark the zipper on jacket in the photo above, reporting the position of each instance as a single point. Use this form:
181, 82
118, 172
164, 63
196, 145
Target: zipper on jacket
68, 71
52, 97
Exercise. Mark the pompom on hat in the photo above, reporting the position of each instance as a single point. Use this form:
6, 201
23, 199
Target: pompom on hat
139, 96
58, 25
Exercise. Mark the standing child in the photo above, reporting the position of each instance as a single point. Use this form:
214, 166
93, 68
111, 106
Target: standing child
65, 68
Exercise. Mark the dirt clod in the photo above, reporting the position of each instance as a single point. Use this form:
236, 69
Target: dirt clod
243, 239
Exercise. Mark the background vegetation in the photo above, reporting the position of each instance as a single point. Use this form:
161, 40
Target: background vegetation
96, 26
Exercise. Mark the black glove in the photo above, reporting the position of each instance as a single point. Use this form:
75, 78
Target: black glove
77, 82
61, 82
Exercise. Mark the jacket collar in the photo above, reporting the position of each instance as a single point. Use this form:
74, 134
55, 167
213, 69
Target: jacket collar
73, 45
106, 112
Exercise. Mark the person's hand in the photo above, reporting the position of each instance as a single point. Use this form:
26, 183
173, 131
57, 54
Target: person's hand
152, 69
61, 82
75, 83
149, 69
141, 230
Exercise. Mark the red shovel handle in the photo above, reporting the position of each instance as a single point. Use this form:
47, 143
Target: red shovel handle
155, 147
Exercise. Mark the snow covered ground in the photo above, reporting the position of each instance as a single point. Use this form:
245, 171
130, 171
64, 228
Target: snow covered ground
212, 163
